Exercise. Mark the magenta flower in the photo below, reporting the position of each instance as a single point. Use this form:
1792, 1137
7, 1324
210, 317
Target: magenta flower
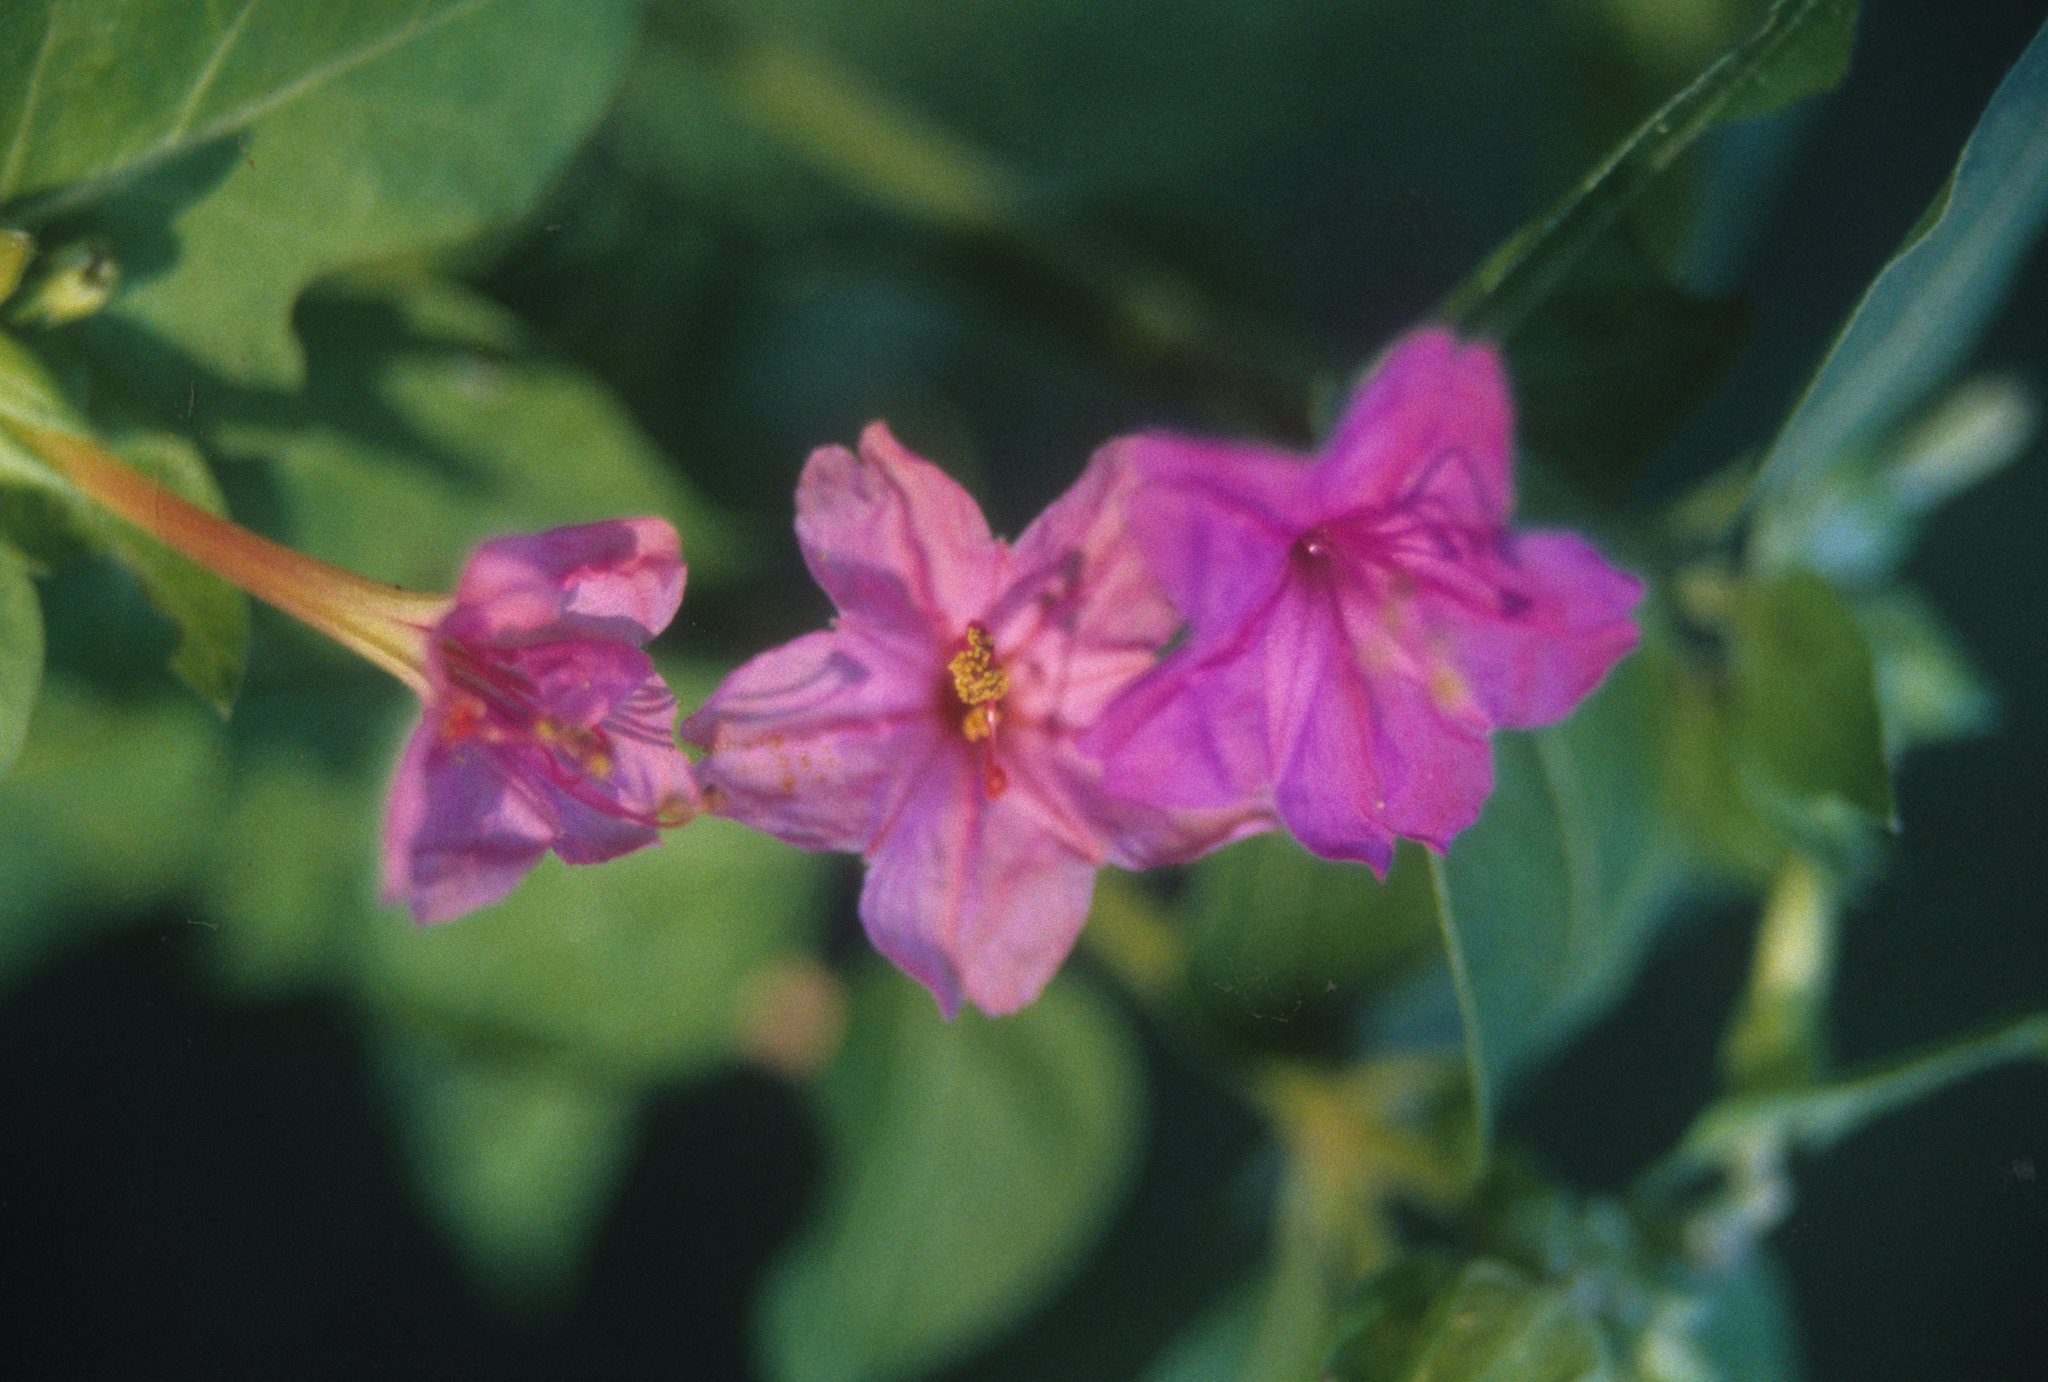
1357, 625
544, 726
932, 728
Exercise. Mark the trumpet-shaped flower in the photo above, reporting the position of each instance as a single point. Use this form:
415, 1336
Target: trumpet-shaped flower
1358, 622
932, 729
544, 725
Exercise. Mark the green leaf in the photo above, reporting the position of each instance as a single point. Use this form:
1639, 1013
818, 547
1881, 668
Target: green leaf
211, 616
428, 410
518, 1160
1818, 1116
1928, 691
21, 657
1800, 48
1926, 309
86, 837
426, 144
1803, 712
1280, 935
1550, 900
972, 1163
1431, 1319
93, 90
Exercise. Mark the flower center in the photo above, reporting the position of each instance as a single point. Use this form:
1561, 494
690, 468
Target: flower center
980, 683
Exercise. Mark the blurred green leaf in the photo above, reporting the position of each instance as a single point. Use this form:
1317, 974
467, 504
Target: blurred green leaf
1928, 691
1432, 1319
93, 90
1853, 516
421, 144
428, 413
1800, 48
87, 836
1927, 307
211, 616
21, 657
636, 969
1776, 1040
517, 1159
1550, 900
1803, 712
1280, 935
1816, 1117
1747, 1331
972, 1163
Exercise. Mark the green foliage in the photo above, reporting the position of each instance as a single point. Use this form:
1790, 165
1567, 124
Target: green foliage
1800, 48
1924, 312
1548, 902
94, 90
1818, 1115
21, 657
1432, 1320
971, 1163
362, 169
211, 616
1803, 713
428, 402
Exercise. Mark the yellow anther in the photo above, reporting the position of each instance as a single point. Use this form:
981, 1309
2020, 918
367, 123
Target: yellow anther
977, 681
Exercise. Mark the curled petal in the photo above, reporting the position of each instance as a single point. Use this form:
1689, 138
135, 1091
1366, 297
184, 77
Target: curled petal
893, 540
462, 830
620, 580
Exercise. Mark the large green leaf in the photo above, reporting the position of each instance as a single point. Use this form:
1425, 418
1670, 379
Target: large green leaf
1799, 48
1926, 309
93, 90
1431, 1319
430, 142
21, 657
430, 423
1549, 901
972, 1162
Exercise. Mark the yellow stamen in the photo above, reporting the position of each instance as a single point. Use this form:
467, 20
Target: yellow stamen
977, 681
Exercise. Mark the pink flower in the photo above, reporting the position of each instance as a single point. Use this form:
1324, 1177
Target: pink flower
545, 726
1357, 625
932, 728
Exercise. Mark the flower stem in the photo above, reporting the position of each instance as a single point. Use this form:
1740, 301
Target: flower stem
383, 623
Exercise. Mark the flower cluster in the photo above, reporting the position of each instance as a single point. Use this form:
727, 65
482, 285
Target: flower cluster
1199, 641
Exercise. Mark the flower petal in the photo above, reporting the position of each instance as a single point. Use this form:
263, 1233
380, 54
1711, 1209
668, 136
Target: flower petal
1431, 430
1557, 617
1190, 734
1215, 523
1082, 614
971, 897
620, 580
462, 830
806, 739
893, 540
